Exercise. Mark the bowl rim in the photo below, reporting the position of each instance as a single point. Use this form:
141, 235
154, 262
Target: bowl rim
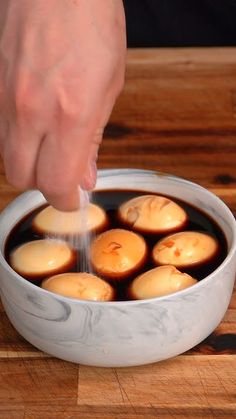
169, 297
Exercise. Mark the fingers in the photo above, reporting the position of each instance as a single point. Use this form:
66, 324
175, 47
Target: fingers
20, 151
89, 179
56, 98
4, 130
61, 166
64, 164
64, 202
61, 160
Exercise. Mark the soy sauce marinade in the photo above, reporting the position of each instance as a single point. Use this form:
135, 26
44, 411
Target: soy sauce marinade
110, 200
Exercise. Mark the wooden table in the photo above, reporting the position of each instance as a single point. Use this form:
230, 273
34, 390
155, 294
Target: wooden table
177, 114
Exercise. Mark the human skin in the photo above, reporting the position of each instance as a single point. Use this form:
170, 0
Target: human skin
62, 65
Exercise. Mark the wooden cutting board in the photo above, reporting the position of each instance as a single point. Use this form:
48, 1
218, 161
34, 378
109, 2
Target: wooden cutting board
177, 114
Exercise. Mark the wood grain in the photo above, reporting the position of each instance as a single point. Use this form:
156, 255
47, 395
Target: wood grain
187, 386
177, 114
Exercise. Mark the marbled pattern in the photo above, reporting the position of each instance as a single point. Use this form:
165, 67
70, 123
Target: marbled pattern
121, 333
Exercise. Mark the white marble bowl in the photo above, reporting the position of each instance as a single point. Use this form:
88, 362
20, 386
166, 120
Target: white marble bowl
121, 333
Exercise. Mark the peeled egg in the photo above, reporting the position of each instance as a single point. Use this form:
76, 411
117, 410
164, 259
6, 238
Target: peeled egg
80, 285
152, 214
41, 257
185, 249
52, 221
159, 281
117, 253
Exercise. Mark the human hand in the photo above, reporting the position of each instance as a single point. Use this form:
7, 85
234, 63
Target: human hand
61, 69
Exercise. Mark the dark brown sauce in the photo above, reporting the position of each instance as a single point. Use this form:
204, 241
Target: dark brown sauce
110, 200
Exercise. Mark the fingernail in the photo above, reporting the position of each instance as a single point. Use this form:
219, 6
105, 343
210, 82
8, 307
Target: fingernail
65, 203
93, 174
90, 178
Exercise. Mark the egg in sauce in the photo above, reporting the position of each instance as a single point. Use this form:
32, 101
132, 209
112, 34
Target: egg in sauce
122, 252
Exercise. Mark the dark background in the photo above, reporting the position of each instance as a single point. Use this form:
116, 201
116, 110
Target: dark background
179, 23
